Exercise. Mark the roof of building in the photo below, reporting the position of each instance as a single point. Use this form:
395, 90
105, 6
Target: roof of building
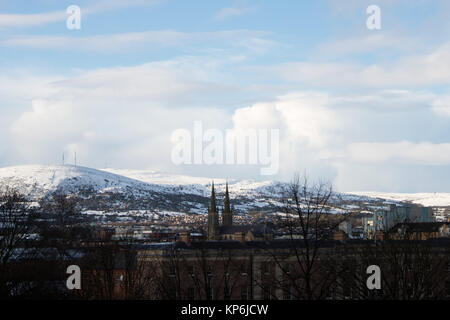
256, 229
418, 226
236, 245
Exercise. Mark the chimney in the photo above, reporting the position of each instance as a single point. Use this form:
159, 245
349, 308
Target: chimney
379, 235
185, 237
239, 236
340, 236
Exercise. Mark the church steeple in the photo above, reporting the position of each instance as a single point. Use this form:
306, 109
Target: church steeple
213, 198
213, 217
227, 199
227, 215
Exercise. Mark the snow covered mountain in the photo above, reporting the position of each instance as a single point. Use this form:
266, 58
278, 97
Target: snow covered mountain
425, 199
200, 185
38, 180
125, 190
123, 187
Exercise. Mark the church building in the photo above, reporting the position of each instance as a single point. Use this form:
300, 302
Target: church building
228, 231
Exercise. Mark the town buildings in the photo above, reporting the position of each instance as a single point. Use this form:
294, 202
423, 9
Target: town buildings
385, 219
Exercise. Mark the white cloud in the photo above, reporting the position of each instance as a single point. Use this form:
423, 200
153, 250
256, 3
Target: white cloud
8, 20
411, 71
368, 43
306, 125
328, 135
253, 40
125, 116
226, 13
404, 152
27, 20
304, 118
102, 5
19, 87
441, 106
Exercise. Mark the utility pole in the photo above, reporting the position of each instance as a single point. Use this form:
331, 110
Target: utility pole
63, 158
75, 158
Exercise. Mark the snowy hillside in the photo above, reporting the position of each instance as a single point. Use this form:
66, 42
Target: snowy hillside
123, 188
131, 190
38, 180
425, 199
201, 185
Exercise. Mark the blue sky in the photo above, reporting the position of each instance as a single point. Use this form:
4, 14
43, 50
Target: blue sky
366, 109
295, 28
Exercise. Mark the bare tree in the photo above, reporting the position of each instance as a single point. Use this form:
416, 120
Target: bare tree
197, 273
113, 271
99, 280
62, 208
410, 269
16, 223
308, 267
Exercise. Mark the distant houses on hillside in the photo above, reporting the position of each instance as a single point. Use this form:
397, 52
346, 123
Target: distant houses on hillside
385, 219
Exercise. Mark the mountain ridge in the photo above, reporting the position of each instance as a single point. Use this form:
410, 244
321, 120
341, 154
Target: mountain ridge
177, 192
158, 190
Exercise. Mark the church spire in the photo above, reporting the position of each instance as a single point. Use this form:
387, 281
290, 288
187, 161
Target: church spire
213, 198
227, 200
227, 215
213, 217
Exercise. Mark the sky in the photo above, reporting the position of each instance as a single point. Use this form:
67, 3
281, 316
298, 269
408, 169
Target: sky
366, 109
